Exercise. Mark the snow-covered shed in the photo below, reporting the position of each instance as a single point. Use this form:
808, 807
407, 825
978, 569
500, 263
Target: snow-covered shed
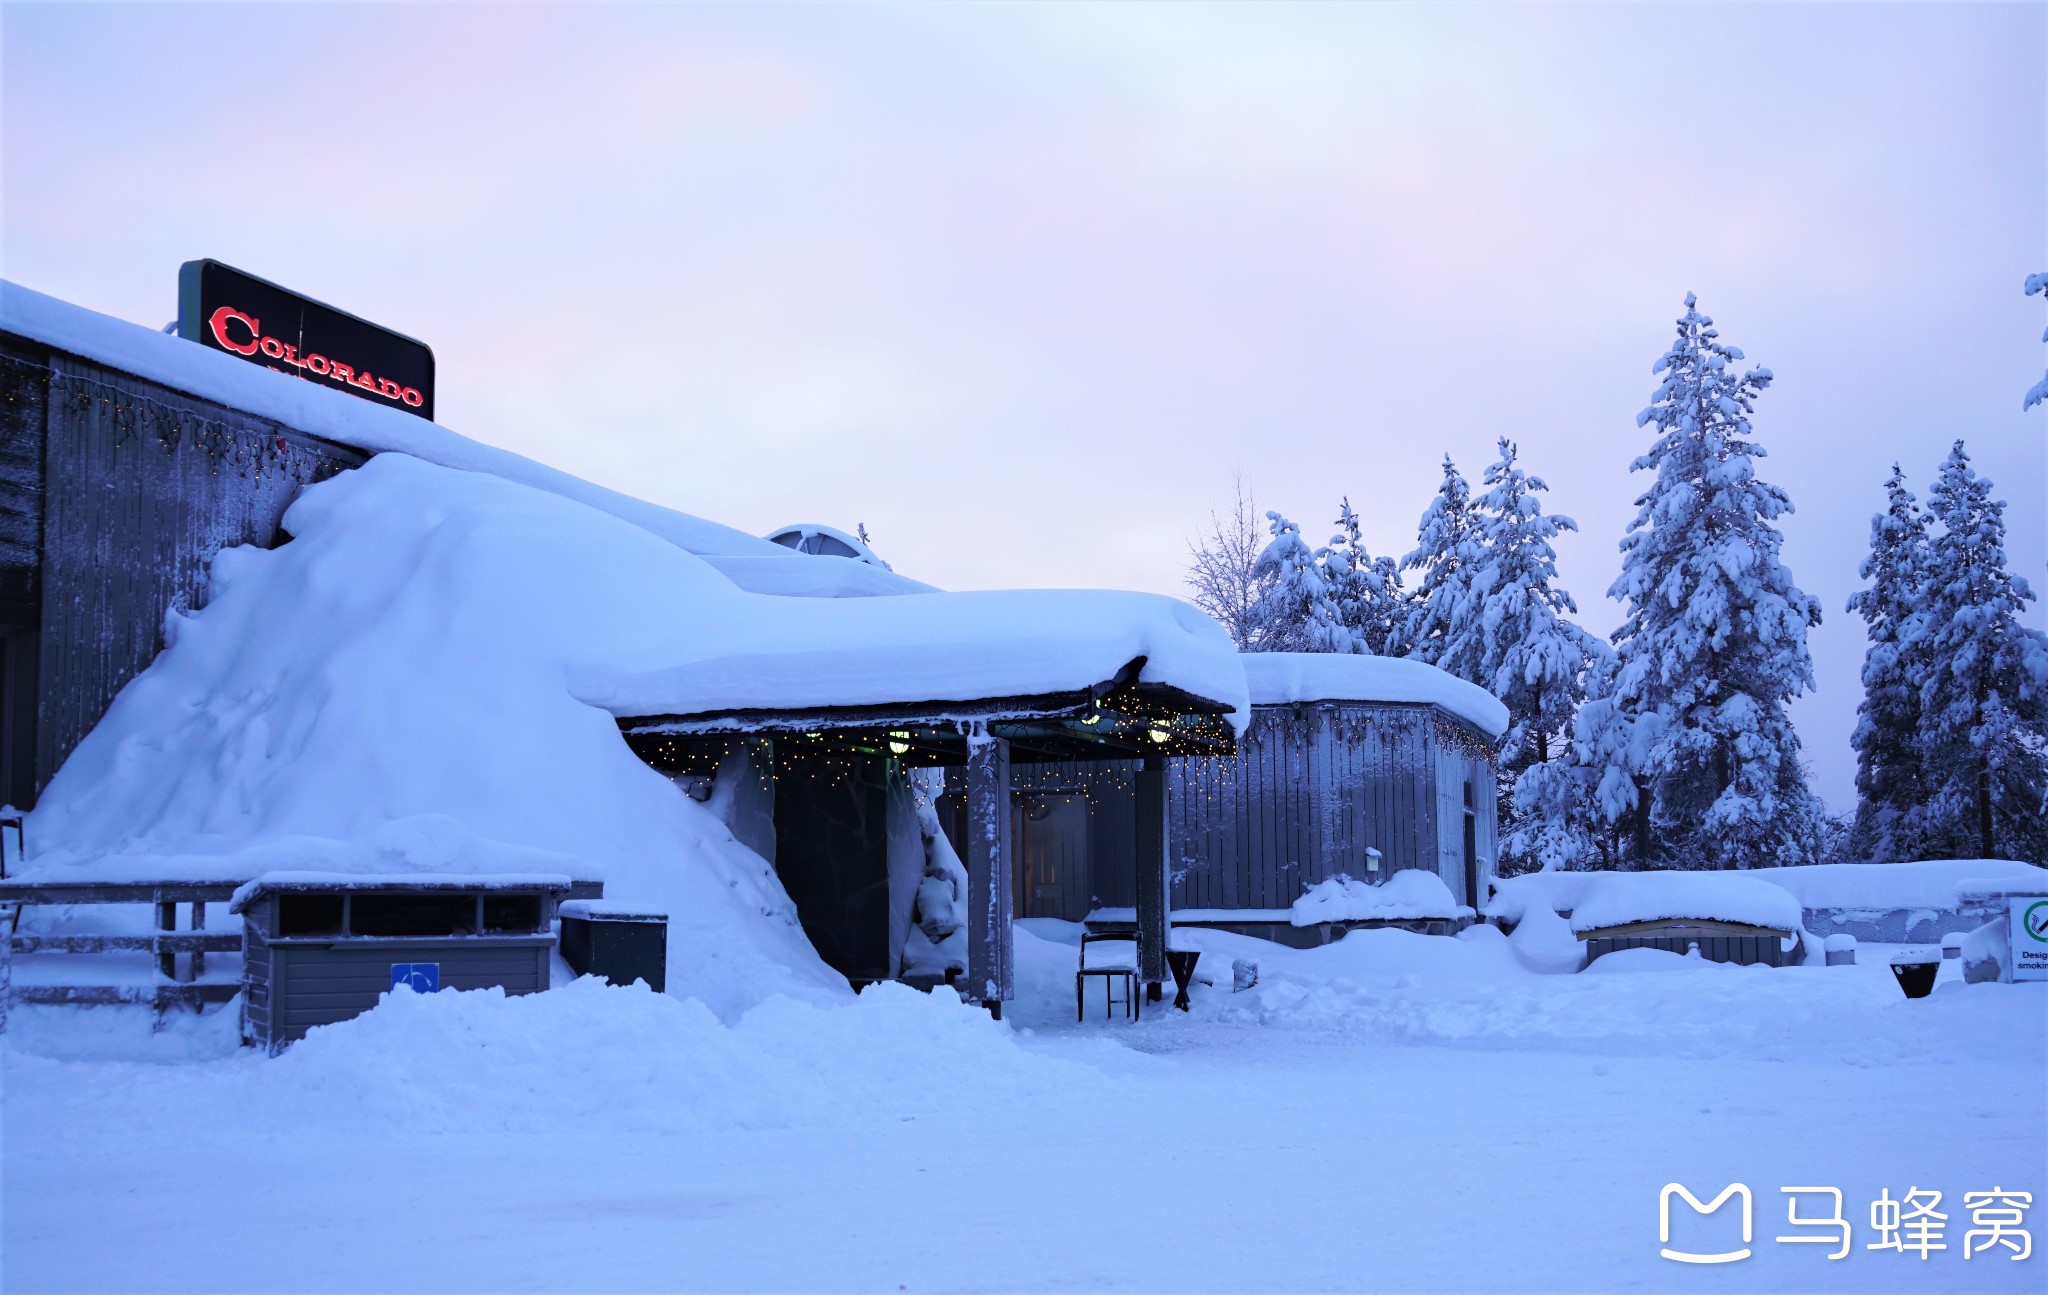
1355, 767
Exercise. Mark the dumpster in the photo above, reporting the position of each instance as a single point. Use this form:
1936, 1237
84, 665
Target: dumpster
620, 943
322, 947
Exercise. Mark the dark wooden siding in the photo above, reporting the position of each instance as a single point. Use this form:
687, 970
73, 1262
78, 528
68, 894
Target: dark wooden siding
1741, 950
142, 486
1310, 789
24, 403
24, 408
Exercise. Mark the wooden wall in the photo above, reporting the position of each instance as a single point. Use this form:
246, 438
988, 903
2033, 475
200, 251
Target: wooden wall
139, 486
1310, 789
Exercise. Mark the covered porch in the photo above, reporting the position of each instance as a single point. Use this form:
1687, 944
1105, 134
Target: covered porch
827, 774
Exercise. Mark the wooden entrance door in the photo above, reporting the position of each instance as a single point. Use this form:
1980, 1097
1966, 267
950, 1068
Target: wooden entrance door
1051, 835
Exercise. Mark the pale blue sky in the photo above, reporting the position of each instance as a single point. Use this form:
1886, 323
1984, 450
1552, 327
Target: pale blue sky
1020, 287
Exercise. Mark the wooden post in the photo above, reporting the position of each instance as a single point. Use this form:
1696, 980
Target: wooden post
166, 920
991, 977
6, 972
1152, 875
198, 924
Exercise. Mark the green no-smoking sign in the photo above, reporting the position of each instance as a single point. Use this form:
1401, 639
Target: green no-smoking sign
2030, 938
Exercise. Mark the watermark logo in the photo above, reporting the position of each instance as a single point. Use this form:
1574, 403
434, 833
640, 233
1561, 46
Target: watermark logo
1912, 1224
1686, 1256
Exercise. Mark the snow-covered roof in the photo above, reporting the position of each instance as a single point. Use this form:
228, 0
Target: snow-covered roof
318, 411
389, 664
1281, 678
270, 883
793, 654
1620, 898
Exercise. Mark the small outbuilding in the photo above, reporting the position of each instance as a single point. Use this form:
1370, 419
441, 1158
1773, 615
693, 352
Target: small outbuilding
1729, 917
1353, 769
322, 947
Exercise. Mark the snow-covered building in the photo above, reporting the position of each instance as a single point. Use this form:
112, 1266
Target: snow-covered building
188, 698
1353, 767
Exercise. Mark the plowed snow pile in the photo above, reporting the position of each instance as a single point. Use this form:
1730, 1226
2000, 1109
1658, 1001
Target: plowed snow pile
588, 1057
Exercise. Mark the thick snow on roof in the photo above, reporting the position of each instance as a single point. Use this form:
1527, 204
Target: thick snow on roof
1407, 894
347, 420
1278, 678
425, 680
1618, 898
800, 653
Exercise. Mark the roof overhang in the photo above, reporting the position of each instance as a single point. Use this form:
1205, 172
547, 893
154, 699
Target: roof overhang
1117, 719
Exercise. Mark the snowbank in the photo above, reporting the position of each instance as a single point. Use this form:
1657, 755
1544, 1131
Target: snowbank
1410, 893
346, 420
1550, 892
591, 1058
1543, 942
1280, 678
1934, 885
1617, 898
390, 690
1878, 887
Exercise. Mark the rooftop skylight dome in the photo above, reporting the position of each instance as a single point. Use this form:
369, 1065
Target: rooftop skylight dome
829, 541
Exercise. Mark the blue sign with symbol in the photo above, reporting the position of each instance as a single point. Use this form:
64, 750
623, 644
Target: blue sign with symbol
420, 977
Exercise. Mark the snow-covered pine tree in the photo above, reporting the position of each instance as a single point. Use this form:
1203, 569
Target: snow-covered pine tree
1527, 653
2039, 391
1571, 812
1984, 694
1714, 643
1887, 738
1366, 589
1295, 611
1517, 644
1439, 609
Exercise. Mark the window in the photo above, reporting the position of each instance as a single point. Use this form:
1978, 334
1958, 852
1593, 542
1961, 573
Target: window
309, 914
414, 914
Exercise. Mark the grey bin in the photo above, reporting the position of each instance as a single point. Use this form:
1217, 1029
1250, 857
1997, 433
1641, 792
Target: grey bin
619, 944
321, 949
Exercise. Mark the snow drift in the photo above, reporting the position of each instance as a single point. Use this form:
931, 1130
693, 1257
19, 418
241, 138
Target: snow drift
1933, 884
1927, 883
1408, 894
427, 678
389, 692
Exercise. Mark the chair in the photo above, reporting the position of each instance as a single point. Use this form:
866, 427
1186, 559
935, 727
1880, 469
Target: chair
1111, 967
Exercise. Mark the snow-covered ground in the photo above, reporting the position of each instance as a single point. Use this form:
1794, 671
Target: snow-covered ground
1393, 1111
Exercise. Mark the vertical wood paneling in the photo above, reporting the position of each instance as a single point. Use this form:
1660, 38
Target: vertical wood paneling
143, 486
1310, 788
24, 408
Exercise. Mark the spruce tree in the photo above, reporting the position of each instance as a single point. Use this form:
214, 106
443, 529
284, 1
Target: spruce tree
1439, 608
1366, 589
1570, 811
1984, 691
1713, 647
1295, 611
1517, 642
1525, 652
1887, 738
